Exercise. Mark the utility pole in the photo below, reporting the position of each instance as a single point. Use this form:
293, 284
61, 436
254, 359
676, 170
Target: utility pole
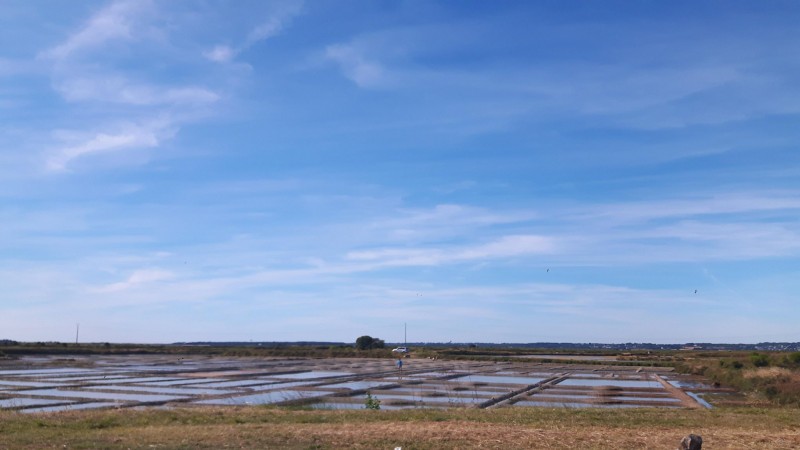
405, 335
77, 330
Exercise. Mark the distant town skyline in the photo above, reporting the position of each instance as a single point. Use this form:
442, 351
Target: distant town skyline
317, 171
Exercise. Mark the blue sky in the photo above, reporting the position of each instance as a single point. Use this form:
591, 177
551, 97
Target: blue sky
483, 171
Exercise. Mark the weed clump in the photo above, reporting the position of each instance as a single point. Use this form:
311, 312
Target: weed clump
372, 402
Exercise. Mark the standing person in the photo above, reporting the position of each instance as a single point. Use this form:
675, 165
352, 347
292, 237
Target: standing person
400, 364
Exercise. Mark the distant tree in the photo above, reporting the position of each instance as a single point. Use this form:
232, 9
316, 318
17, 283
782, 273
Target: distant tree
368, 342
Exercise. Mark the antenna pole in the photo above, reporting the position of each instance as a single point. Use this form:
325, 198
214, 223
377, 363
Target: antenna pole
405, 335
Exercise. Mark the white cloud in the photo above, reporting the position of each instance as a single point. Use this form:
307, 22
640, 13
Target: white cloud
273, 26
130, 137
442, 220
117, 89
220, 54
266, 30
355, 66
701, 205
115, 22
505, 247
116, 102
137, 279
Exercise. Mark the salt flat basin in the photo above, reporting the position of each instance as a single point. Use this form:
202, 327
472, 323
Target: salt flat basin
314, 374
614, 382
326, 405
29, 384
358, 385
575, 396
584, 405
689, 384
132, 380
498, 379
36, 372
68, 407
570, 357
127, 381
265, 398
236, 383
103, 395
24, 401
435, 400
164, 390
700, 400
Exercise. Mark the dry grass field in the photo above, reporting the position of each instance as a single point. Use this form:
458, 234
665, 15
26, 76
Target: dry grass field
507, 428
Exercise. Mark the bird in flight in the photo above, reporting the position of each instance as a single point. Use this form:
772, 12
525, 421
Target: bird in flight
695, 291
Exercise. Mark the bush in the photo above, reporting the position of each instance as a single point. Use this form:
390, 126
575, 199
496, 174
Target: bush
371, 402
759, 360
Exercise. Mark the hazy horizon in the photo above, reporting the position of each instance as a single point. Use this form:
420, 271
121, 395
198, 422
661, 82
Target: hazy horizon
486, 171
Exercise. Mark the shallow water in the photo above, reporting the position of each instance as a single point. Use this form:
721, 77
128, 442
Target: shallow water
422, 399
583, 405
314, 374
265, 398
623, 398
182, 381
115, 382
33, 372
82, 378
236, 383
358, 385
131, 380
103, 395
700, 400
29, 384
689, 384
70, 407
165, 390
612, 382
498, 379
335, 406
587, 394
24, 401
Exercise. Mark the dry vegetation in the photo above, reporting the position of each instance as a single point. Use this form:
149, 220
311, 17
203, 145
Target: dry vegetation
773, 377
259, 427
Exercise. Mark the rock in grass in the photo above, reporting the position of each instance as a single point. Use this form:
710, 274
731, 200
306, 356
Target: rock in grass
691, 442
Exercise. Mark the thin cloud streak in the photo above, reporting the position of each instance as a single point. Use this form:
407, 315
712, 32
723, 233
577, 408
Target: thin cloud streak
281, 17
115, 22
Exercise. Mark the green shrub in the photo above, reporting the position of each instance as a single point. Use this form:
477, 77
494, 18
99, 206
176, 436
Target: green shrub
372, 402
759, 360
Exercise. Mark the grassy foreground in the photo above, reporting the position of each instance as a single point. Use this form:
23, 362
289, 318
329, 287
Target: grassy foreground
260, 427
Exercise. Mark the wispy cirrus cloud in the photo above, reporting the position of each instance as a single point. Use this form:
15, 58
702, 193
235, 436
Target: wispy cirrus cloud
282, 15
111, 88
129, 114
137, 279
126, 137
356, 66
505, 247
117, 21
